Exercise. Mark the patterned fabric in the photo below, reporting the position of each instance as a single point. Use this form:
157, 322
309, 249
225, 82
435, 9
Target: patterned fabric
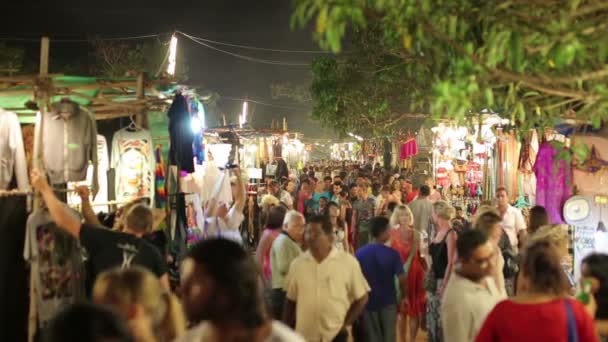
433, 315
159, 176
134, 164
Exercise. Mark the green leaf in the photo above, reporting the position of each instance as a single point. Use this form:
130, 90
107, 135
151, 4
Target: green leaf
516, 52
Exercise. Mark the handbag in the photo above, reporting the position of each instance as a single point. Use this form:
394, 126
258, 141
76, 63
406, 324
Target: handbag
572, 330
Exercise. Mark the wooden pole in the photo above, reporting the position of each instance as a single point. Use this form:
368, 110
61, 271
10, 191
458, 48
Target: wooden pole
142, 119
44, 57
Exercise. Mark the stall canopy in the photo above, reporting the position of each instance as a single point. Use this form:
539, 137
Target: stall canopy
106, 97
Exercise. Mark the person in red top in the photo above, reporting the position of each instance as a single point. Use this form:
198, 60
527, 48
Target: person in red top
303, 195
407, 242
542, 309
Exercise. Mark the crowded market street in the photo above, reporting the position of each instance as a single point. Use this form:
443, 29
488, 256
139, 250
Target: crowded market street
320, 171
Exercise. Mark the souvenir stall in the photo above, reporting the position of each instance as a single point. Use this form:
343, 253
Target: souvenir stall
346, 151
464, 163
587, 210
57, 132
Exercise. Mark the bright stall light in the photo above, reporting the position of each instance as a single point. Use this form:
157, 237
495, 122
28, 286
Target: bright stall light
245, 111
195, 123
172, 56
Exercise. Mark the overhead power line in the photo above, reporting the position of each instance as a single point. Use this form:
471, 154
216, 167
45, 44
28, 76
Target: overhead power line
247, 58
69, 40
255, 47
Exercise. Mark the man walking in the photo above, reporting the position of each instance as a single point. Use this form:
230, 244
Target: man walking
471, 292
285, 248
326, 291
380, 265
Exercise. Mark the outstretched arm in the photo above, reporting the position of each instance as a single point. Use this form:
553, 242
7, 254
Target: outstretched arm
60, 213
86, 208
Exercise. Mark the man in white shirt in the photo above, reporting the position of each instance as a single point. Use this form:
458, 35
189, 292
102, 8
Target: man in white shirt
512, 220
471, 292
326, 290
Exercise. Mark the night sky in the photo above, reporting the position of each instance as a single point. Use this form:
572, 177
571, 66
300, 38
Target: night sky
262, 23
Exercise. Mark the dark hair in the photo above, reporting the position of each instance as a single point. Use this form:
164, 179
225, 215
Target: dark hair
275, 217
468, 241
391, 206
386, 188
343, 175
597, 264
274, 183
323, 221
538, 218
425, 191
378, 225
235, 273
337, 206
353, 186
486, 221
541, 265
88, 322
328, 178
338, 183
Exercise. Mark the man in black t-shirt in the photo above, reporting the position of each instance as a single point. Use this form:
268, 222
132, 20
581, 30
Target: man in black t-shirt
107, 249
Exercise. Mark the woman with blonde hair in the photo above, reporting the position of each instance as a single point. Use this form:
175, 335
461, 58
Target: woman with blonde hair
557, 236
408, 243
153, 314
443, 254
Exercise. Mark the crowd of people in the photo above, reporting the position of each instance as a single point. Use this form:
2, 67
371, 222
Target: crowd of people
350, 253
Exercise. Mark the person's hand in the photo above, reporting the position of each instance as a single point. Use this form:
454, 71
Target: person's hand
38, 180
83, 192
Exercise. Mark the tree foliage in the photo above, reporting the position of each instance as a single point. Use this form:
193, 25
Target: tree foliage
368, 91
11, 59
123, 58
532, 61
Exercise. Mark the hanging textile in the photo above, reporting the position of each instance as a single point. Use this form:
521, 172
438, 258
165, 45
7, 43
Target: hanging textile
56, 266
103, 165
159, 177
12, 153
69, 141
134, 165
553, 181
181, 135
527, 159
198, 115
409, 149
13, 286
194, 220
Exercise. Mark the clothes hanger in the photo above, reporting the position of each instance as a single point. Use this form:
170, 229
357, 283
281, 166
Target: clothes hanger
133, 126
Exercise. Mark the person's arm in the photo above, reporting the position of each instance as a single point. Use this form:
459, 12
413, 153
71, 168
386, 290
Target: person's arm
520, 226
85, 207
355, 310
164, 281
346, 237
60, 213
241, 196
289, 313
291, 297
451, 243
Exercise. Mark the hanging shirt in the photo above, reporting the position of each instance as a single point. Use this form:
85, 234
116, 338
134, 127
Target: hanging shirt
103, 165
181, 135
134, 164
69, 141
12, 153
56, 265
